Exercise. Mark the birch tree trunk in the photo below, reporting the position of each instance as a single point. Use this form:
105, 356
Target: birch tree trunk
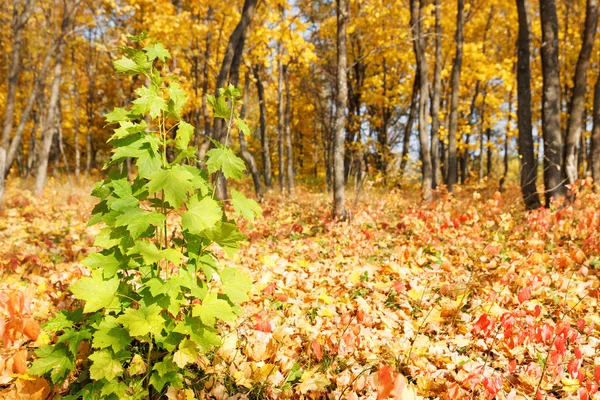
416, 11
341, 101
576, 121
436, 98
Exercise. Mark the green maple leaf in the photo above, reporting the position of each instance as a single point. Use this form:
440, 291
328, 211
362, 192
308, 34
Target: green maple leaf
128, 128
177, 99
125, 198
185, 132
236, 284
245, 129
201, 214
126, 65
222, 158
108, 263
176, 183
72, 338
157, 50
117, 115
111, 334
53, 359
142, 321
148, 101
226, 235
114, 387
203, 335
64, 319
219, 106
97, 292
104, 365
213, 308
151, 254
137, 221
148, 162
187, 353
245, 207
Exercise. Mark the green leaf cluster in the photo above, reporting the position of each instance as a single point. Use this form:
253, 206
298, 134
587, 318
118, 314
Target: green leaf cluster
152, 303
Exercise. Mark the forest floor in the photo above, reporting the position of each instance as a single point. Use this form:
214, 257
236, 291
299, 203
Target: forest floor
467, 297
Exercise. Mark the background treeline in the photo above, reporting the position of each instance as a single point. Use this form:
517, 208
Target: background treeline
444, 91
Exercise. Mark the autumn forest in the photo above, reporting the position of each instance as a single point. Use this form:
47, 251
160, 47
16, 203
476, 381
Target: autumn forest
305, 199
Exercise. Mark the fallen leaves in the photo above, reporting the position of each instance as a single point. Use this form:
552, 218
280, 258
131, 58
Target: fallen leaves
480, 294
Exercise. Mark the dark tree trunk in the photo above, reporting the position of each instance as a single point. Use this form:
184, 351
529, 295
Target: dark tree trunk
341, 101
576, 122
553, 140
455, 84
264, 137
416, 11
436, 98
526, 153
234, 45
288, 132
595, 148
280, 132
409, 124
18, 22
246, 155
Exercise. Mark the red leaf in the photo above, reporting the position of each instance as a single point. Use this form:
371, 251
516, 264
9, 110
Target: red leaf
263, 326
385, 382
316, 347
20, 362
32, 329
524, 294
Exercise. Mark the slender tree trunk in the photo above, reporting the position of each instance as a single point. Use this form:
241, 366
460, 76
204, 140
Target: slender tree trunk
288, 133
595, 147
89, 156
18, 22
576, 122
553, 140
416, 8
409, 124
489, 160
246, 155
33, 96
264, 137
280, 116
77, 123
205, 77
455, 84
341, 101
506, 142
61, 147
53, 122
436, 98
526, 153
234, 45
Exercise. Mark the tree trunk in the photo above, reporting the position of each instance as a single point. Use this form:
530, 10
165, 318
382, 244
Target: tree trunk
280, 132
205, 77
489, 160
76, 127
18, 22
264, 137
595, 148
526, 153
416, 11
341, 101
553, 140
455, 84
288, 132
234, 45
576, 122
409, 124
52, 121
506, 141
246, 155
436, 98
